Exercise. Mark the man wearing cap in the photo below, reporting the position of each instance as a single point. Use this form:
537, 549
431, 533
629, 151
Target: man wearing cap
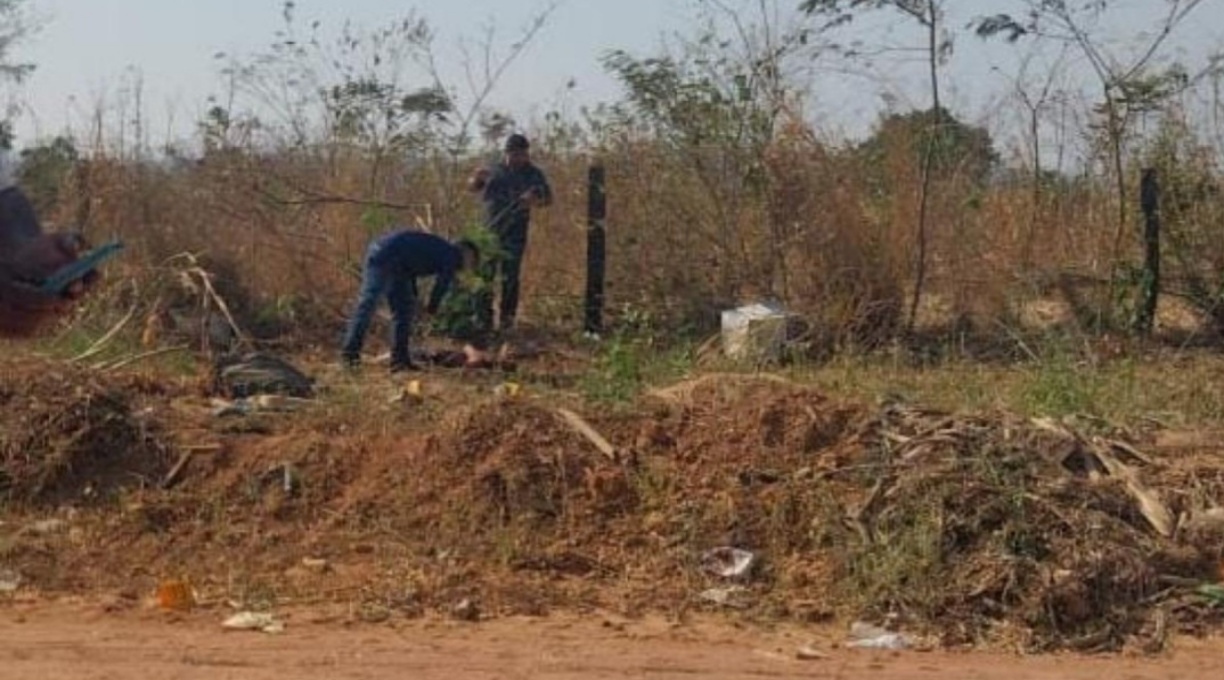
510, 189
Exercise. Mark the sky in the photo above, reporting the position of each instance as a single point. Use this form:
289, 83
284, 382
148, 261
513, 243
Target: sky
88, 51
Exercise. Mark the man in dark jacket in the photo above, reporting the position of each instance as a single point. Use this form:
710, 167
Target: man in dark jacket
393, 263
510, 190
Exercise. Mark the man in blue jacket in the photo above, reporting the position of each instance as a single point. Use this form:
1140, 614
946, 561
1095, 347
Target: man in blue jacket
393, 264
509, 190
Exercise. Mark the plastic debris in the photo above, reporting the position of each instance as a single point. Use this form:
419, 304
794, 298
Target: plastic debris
175, 595
867, 636
466, 610
810, 653
728, 562
316, 564
44, 527
735, 597
261, 403
256, 621
507, 390
10, 581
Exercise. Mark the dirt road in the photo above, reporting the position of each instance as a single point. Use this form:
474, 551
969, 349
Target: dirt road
88, 643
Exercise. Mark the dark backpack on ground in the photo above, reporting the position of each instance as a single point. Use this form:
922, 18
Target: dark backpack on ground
238, 377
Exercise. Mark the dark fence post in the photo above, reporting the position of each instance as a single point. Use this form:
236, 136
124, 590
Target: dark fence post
597, 210
1149, 200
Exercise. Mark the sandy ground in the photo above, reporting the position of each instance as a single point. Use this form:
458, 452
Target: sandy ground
50, 642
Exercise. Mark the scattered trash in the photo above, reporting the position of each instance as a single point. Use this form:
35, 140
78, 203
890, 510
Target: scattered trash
507, 390
735, 597
412, 392
10, 581
466, 610
44, 527
287, 474
176, 595
316, 564
262, 403
868, 636
262, 622
810, 653
728, 562
754, 332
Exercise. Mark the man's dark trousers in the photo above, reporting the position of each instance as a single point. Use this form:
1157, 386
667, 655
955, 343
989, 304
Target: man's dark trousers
512, 241
400, 290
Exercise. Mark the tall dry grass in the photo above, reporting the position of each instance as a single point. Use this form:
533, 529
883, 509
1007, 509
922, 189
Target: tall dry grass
283, 232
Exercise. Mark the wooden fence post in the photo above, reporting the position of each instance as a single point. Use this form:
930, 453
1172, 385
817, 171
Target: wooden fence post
597, 210
1149, 293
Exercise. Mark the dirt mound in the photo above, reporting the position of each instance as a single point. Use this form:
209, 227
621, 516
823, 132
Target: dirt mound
973, 529
987, 529
71, 436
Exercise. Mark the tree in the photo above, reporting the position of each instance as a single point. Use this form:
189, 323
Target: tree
1130, 86
716, 103
44, 168
15, 26
956, 149
929, 15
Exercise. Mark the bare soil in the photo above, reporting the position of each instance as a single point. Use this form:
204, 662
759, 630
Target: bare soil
394, 505
93, 642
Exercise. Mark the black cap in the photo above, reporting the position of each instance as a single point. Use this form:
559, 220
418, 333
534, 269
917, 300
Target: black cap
517, 142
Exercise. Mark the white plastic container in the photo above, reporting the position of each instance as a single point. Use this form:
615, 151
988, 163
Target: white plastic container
755, 332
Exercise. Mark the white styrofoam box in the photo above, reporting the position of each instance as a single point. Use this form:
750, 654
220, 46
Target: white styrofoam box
754, 332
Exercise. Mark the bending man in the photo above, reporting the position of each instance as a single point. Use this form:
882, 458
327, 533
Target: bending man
393, 264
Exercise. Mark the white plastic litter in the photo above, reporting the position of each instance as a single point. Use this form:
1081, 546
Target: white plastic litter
735, 597
866, 636
728, 562
754, 332
254, 621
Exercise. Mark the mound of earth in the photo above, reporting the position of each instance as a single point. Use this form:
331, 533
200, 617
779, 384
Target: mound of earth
983, 529
70, 435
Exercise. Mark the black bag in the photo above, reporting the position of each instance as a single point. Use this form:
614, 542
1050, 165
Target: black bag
238, 377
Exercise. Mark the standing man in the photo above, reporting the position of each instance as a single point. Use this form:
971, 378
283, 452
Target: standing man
393, 264
27, 256
510, 190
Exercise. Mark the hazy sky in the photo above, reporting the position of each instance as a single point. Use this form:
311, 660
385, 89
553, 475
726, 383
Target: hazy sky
88, 49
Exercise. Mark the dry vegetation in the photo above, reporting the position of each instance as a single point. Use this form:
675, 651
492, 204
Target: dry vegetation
976, 522
714, 199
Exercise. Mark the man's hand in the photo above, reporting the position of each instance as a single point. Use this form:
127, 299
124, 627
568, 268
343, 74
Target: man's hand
479, 178
531, 198
24, 309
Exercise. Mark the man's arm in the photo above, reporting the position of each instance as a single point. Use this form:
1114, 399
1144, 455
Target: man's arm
478, 180
442, 286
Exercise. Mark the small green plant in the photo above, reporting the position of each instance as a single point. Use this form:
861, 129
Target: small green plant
459, 316
1059, 387
632, 358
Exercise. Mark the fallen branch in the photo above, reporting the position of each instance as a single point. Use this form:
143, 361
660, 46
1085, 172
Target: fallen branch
172, 476
116, 365
103, 341
583, 428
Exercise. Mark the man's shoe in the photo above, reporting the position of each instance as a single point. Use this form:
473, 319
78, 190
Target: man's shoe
404, 367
